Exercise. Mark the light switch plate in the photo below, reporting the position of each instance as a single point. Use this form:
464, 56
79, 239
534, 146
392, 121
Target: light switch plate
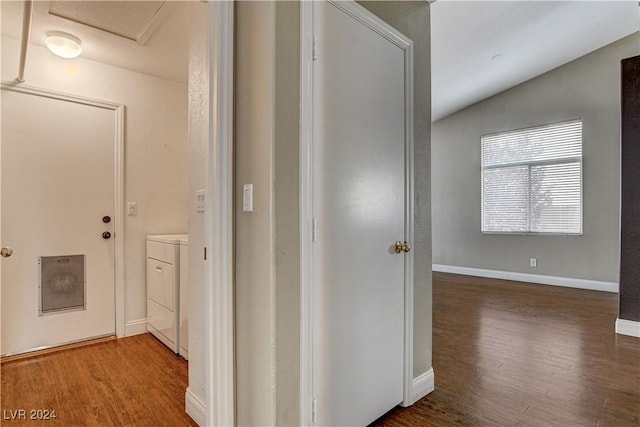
247, 198
132, 208
200, 201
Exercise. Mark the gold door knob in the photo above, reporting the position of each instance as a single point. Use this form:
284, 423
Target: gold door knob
400, 247
6, 252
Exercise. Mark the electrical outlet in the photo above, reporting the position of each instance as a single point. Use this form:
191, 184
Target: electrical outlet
533, 262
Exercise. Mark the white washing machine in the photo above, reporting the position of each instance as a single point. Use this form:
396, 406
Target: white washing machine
163, 288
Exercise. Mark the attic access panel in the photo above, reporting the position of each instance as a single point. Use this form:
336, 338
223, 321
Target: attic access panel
132, 20
62, 283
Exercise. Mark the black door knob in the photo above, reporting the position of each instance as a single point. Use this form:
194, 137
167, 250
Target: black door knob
106, 235
106, 219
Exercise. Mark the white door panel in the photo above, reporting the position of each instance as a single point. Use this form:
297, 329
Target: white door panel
58, 169
359, 204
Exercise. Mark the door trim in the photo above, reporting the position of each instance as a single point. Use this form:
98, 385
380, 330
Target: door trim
118, 223
306, 212
219, 281
371, 21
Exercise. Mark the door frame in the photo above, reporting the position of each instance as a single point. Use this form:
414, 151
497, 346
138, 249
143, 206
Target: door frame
219, 280
307, 53
118, 223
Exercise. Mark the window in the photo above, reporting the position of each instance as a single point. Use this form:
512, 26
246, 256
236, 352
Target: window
532, 180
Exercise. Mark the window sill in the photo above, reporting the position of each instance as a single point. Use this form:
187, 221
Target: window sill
515, 233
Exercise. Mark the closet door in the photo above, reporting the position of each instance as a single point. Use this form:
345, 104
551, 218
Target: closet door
359, 204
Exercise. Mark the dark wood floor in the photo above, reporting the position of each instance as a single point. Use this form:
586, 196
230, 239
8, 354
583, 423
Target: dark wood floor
514, 354
133, 381
505, 354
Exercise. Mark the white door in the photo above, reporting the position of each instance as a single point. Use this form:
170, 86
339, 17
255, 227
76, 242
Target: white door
58, 182
359, 204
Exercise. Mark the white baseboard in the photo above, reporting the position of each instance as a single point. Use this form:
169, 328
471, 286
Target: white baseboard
628, 327
567, 282
194, 407
135, 327
422, 385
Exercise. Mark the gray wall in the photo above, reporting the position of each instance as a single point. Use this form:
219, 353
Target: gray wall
255, 231
267, 240
587, 88
287, 244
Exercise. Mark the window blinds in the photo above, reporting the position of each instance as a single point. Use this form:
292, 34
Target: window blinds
532, 180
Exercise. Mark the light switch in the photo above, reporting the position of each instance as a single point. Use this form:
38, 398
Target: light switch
200, 201
247, 198
132, 208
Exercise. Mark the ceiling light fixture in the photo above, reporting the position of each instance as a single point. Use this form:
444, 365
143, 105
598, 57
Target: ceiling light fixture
63, 44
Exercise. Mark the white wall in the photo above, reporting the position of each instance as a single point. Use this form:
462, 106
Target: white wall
587, 88
155, 147
198, 124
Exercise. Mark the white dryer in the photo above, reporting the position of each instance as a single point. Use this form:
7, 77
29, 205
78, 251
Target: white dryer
183, 333
163, 288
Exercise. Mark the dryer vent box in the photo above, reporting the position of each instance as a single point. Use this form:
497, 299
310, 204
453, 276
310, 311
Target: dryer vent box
62, 283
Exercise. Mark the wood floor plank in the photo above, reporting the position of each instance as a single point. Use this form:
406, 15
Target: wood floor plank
504, 354
509, 353
133, 381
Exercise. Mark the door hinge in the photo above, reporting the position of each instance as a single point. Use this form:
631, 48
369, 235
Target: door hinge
314, 230
314, 410
315, 49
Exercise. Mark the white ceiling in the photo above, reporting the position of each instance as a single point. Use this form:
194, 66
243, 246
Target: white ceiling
126, 19
144, 36
524, 38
